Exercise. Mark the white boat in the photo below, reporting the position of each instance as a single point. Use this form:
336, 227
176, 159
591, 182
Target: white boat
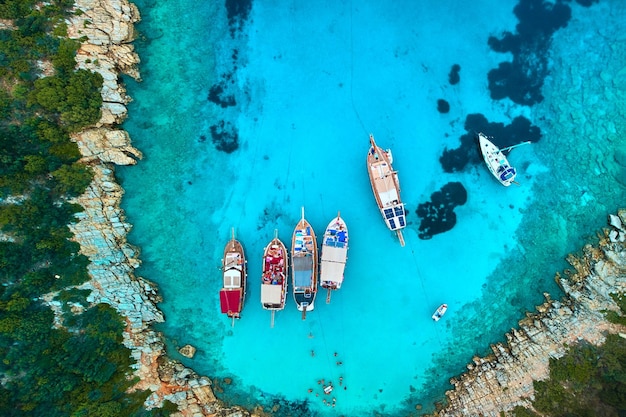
386, 188
274, 277
304, 265
496, 161
441, 310
233, 292
334, 255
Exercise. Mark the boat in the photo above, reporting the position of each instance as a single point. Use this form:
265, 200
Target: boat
334, 255
386, 188
441, 310
233, 292
496, 161
274, 277
304, 265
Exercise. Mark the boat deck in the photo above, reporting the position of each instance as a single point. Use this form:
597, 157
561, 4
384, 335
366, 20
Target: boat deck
385, 183
274, 277
496, 161
304, 263
334, 255
386, 188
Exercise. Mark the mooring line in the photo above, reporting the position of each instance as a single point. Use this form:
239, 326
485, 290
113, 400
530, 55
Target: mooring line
356, 112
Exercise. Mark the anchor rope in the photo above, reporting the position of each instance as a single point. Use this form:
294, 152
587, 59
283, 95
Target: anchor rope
421, 279
326, 352
356, 112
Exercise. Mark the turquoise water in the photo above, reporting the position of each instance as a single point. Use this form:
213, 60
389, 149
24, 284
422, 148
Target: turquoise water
304, 85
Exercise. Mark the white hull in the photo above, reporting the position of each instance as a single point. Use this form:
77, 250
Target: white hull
334, 254
440, 312
496, 162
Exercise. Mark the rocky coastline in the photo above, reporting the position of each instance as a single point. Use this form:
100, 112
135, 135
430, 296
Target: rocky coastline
107, 28
503, 380
492, 384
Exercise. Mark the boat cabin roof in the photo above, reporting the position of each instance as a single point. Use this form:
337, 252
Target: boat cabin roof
303, 271
232, 259
232, 278
271, 294
332, 271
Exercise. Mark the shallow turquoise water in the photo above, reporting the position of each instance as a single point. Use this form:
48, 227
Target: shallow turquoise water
311, 82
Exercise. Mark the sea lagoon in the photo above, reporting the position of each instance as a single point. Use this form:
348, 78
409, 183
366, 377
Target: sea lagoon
249, 111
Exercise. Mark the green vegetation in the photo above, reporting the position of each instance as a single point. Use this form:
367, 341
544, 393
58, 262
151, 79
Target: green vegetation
74, 364
588, 381
613, 316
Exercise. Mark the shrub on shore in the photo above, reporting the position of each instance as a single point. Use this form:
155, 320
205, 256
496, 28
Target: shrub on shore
59, 355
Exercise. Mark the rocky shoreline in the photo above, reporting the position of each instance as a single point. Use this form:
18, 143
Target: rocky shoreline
492, 384
101, 228
504, 379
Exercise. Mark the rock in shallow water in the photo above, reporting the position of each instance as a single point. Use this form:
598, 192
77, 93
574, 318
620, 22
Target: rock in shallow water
187, 351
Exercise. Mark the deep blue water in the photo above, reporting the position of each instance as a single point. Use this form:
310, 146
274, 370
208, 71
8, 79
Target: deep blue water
249, 111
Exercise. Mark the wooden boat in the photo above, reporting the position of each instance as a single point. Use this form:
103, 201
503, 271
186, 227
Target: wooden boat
386, 188
334, 255
233, 292
274, 278
496, 161
441, 310
304, 264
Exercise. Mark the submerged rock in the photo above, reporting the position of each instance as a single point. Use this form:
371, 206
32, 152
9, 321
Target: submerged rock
437, 215
443, 106
187, 351
453, 76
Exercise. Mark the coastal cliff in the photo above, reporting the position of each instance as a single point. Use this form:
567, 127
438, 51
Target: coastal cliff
503, 380
106, 29
492, 384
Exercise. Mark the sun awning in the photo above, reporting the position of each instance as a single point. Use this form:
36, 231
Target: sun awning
332, 271
271, 294
230, 301
303, 271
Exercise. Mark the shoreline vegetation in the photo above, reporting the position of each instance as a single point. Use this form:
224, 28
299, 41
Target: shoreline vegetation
82, 285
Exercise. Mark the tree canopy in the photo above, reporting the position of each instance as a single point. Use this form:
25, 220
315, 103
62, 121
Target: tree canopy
60, 361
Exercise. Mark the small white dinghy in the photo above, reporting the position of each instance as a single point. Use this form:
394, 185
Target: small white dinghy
441, 310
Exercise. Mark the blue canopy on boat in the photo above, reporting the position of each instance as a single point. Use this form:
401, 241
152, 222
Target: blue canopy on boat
303, 271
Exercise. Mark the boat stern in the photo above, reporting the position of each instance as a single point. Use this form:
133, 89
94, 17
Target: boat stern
395, 217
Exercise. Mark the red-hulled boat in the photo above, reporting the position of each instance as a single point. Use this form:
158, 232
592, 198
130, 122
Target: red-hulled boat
233, 292
274, 278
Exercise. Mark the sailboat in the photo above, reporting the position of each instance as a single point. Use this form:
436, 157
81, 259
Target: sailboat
334, 255
304, 264
233, 292
496, 161
386, 188
274, 277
